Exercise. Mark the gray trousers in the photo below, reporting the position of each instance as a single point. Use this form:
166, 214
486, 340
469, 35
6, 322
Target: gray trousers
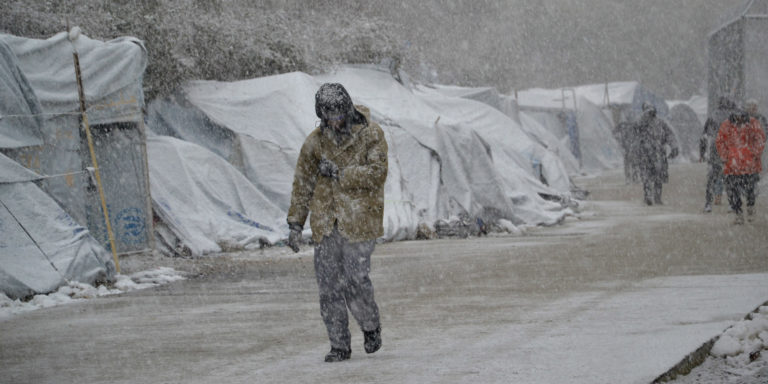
652, 189
741, 185
342, 271
714, 182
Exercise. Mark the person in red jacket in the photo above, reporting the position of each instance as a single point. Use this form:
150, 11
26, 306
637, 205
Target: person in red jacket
740, 143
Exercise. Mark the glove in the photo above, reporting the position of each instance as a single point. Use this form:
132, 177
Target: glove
294, 237
673, 153
328, 168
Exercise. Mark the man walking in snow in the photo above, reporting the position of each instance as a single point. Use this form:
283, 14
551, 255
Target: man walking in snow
653, 138
740, 143
708, 151
625, 135
340, 177
751, 106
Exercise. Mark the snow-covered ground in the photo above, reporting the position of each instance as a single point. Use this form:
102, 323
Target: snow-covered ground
77, 292
740, 354
618, 294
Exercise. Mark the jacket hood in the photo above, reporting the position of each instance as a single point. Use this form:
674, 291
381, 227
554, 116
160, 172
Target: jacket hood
363, 114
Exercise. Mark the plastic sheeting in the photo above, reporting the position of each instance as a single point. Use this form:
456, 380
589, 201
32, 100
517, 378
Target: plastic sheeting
208, 205
448, 156
112, 74
508, 105
513, 149
737, 57
20, 118
597, 108
683, 119
42, 247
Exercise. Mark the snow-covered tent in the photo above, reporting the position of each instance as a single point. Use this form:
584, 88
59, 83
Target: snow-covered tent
697, 103
112, 78
42, 247
204, 203
584, 117
625, 97
434, 120
20, 112
486, 95
448, 156
508, 105
738, 57
687, 126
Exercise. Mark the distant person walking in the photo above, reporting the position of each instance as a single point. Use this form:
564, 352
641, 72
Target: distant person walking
654, 137
752, 107
625, 135
708, 151
340, 177
740, 143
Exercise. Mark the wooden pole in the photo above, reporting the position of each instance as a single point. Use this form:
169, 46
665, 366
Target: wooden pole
87, 128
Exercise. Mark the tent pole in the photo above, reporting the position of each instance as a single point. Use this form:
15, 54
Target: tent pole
148, 198
86, 126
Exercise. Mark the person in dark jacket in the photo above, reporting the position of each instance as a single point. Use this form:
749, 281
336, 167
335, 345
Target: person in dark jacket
751, 106
340, 177
708, 151
625, 135
740, 143
654, 138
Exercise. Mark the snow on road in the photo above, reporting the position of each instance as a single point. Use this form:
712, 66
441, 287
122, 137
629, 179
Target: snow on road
620, 293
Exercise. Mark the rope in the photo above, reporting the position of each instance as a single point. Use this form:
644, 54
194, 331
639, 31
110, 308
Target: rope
31, 238
94, 108
43, 177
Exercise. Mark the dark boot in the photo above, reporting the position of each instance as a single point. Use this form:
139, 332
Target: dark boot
336, 355
372, 340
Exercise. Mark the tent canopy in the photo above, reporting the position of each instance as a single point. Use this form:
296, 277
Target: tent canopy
20, 111
42, 246
629, 94
448, 155
112, 74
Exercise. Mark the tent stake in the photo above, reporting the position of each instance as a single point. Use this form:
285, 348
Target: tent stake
81, 95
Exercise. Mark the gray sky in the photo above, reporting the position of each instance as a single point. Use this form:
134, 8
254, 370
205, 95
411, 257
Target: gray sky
552, 43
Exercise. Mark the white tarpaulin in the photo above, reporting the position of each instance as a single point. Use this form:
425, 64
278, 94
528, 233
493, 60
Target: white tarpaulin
514, 151
584, 117
20, 118
208, 204
110, 71
112, 74
448, 156
686, 125
697, 103
508, 106
41, 247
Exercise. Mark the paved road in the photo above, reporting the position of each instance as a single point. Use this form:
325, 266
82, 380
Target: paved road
619, 294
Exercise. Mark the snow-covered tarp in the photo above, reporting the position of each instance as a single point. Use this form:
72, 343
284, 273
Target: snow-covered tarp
508, 106
584, 117
112, 75
684, 121
41, 247
206, 203
697, 103
448, 156
20, 111
109, 71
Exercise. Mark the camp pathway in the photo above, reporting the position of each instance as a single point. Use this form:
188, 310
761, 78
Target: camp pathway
619, 294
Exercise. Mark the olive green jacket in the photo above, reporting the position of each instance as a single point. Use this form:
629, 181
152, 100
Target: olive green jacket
356, 200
